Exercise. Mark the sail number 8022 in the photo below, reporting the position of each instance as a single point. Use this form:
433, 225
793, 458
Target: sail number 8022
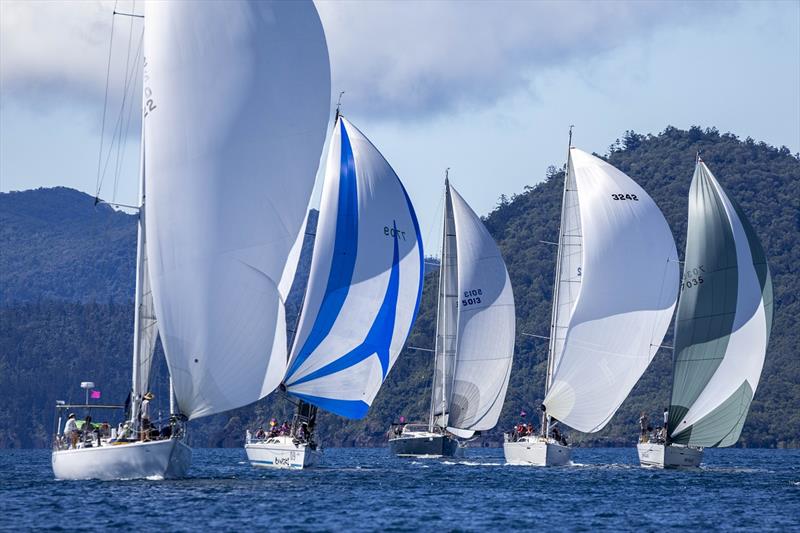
471, 297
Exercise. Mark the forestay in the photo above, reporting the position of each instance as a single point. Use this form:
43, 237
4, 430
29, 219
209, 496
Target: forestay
628, 289
236, 106
486, 325
365, 281
723, 321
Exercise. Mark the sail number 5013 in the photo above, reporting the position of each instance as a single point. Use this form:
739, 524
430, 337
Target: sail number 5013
471, 297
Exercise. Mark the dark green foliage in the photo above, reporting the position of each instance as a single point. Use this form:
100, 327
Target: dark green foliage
56, 246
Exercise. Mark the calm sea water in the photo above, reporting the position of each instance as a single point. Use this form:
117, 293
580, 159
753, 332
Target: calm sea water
366, 489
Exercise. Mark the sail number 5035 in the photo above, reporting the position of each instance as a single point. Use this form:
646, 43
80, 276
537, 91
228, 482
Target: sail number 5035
392, 232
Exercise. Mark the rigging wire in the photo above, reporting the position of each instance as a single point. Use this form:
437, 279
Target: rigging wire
105, 107
433, 225
124, 134
118, 127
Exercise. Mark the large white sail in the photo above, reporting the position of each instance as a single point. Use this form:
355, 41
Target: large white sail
628, 290
486, 325
365, 281
723, 322
236, 106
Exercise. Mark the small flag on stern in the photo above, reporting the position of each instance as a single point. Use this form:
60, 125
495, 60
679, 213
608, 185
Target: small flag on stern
95, 395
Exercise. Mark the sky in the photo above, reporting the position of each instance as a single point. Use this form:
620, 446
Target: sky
487, 89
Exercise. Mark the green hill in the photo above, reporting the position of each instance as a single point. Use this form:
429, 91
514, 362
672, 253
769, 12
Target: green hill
59, 255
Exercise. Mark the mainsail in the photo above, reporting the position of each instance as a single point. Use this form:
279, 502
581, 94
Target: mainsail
446, 318
365, 281
236, 103
145, 325
485, 325
627, 282
723, 321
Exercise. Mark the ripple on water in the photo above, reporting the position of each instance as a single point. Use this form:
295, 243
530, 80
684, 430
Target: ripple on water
367, 489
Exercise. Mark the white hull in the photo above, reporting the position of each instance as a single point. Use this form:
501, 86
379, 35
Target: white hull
653, 455
537, 452
154, 459
282, 452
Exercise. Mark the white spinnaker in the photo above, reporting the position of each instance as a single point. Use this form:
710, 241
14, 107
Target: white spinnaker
236, 98
486, 325
364, 283
747, 345
628, 293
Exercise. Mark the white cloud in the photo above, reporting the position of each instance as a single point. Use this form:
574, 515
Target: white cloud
394, 58
420, 57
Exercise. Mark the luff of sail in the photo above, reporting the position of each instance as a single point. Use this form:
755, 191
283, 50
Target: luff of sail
723, 321
237, 98
486, 325
365, 280
628, 290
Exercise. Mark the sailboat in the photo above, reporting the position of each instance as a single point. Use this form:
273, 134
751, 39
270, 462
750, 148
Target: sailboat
722, 329
236, 98
363, 294
614, 293
475, 331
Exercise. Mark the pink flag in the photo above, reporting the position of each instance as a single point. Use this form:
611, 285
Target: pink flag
95, 395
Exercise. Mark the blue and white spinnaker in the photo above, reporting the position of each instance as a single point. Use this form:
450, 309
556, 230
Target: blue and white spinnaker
365, 281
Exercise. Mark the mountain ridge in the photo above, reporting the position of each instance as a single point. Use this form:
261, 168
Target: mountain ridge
66, 282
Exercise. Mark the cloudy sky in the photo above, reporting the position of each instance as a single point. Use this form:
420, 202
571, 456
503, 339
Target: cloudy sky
488, 89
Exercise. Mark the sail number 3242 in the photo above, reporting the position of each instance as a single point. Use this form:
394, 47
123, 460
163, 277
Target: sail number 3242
625, 197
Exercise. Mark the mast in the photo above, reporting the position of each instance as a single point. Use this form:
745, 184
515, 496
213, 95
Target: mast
441, 310
137, 299
557, 284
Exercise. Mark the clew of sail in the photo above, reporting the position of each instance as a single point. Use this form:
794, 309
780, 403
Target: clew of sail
485, 325
364, 284
723, 321
236, 103
628, 290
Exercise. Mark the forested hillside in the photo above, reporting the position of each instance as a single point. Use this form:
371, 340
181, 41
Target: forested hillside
67, 280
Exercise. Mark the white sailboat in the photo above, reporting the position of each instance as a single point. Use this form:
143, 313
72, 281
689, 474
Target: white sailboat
722, 329
614, 293
361, 300
235, 106
475, 331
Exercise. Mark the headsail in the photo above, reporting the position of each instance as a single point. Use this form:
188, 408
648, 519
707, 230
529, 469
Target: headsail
628, 290
723, 321
236, 98
365, 282
486, 325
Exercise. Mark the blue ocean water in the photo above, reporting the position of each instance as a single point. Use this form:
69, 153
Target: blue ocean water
367, 489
